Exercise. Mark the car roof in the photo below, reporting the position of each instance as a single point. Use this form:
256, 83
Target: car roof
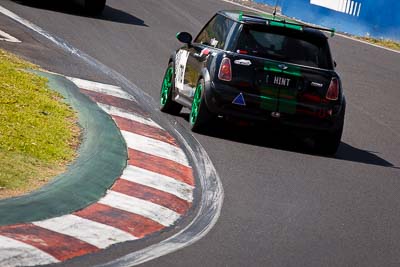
248, 17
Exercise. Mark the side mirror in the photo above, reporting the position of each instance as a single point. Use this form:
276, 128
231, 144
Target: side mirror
334, 63
184, 37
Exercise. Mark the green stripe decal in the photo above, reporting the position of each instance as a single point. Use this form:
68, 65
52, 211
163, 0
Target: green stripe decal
270, 103
269, 98
272, 68
291, 70
287, 100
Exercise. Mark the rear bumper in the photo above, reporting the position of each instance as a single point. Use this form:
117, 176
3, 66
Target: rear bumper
219, 100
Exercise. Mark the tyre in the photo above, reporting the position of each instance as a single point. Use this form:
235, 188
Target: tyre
200, 116
327, 143
167, 105
94, 7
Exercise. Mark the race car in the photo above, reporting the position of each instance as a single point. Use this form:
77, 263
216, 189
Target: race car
260, 68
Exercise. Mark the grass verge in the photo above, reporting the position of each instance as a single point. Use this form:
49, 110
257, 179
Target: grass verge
382, 42
38, 132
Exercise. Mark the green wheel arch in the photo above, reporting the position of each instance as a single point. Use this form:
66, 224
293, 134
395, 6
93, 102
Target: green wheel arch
196, 103
200, 116
166, 103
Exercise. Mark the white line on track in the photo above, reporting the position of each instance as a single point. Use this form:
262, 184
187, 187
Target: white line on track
101, 88
8, 38
15, 253
115, 111
155, 147
141, 207
94, 233
159, 182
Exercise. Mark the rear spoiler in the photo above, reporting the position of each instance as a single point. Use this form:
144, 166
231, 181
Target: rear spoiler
284, 23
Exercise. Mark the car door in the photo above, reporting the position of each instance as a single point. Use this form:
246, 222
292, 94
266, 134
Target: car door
194, 58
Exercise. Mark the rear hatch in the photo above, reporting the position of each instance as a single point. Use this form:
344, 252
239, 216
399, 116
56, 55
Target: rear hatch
283, 71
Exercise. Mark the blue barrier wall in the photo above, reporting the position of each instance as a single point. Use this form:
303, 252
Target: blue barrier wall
377, 18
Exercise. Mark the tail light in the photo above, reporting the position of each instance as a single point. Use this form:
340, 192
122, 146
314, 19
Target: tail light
333, 90
225, 70
243, 52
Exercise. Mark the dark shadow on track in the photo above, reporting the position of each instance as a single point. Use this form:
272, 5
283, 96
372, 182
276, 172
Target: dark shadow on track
69, 7
350, 153
286, 139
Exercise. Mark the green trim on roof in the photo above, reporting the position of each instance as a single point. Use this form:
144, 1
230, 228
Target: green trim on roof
333, 32
283, 24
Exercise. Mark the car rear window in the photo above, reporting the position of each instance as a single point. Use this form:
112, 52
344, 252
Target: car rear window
288, 46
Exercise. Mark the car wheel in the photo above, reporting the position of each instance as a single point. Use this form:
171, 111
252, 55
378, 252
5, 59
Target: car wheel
199, 114
328, 143
166, 103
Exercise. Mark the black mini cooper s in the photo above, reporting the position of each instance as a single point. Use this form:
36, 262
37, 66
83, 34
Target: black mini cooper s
260, 68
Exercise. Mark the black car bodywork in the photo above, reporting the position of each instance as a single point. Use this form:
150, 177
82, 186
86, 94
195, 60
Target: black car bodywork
258, 68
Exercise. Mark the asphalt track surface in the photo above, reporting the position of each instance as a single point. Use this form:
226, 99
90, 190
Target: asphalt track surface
283, 205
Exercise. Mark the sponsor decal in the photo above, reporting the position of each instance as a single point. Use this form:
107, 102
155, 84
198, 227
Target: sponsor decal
315, 84
214, 42
239, 100
243, 62
180, 67
281, 81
